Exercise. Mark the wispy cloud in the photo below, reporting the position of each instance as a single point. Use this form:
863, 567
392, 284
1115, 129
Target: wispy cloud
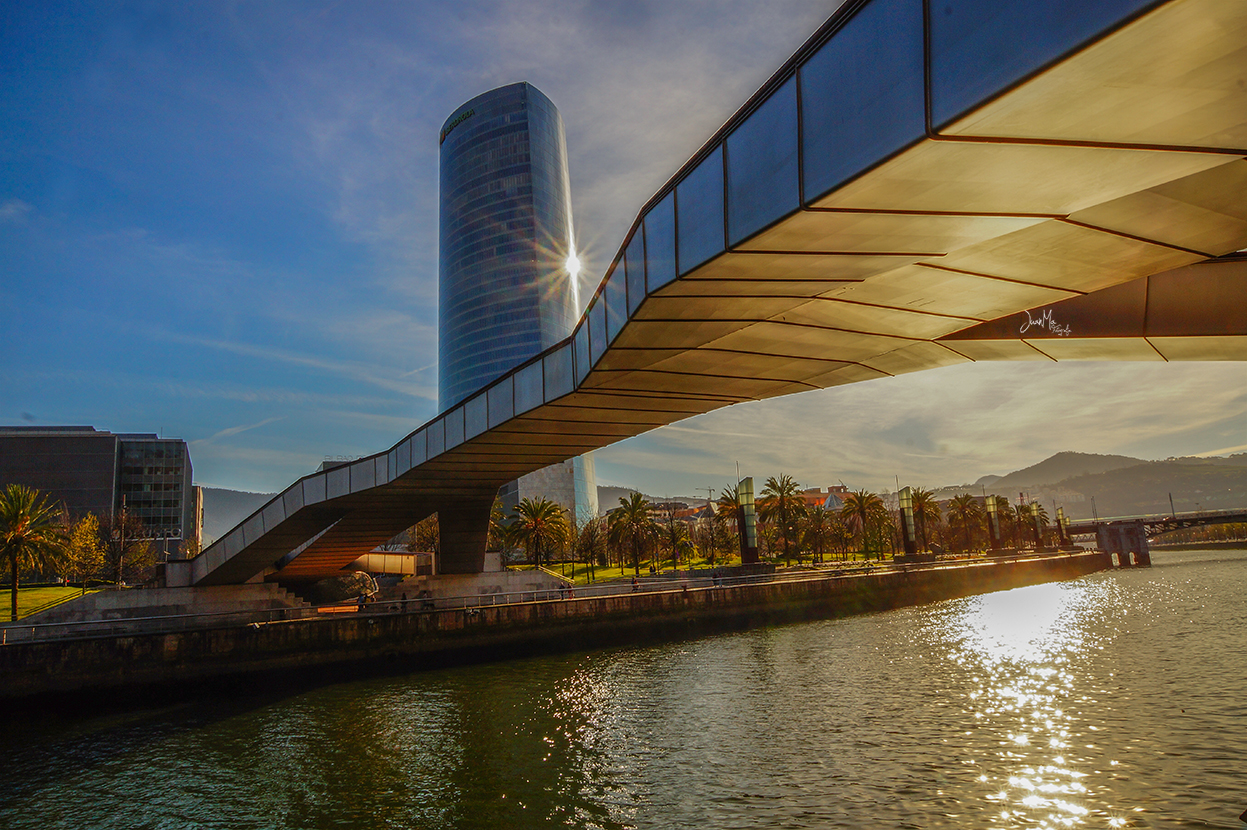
229, 432
350, 369
14, 210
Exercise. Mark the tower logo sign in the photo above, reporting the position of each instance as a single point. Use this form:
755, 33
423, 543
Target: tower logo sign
459, 119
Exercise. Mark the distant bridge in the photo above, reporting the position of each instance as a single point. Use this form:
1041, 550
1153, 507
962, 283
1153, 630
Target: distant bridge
1127, 536
1158, 523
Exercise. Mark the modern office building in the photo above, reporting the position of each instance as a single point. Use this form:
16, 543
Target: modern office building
571, 484
505, 291
95, 471
507, 273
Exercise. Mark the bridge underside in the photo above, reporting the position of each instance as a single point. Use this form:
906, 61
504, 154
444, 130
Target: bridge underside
1081, 193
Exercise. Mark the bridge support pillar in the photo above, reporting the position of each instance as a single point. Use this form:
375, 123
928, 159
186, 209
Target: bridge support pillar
464, 529
1142, 553
1128, 541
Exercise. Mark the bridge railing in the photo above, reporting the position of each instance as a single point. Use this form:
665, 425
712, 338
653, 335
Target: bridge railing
12, 634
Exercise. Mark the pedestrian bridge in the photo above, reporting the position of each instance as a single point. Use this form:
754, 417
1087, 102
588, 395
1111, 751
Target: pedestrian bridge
922, 184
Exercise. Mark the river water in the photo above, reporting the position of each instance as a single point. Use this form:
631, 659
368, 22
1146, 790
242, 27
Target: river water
1114, 700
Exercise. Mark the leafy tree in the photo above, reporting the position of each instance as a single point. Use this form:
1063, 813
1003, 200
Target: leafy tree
126, 545
841, 537
865, 513
632, 527
539, 527
426, 535
591, 543
817, 531
966, 514
497, 527
677, 540
84, 555
781, 506
32, 536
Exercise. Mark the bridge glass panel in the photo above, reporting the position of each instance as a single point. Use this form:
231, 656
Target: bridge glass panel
391, 465
315, 489
634, 264
501, 402
382, 465
529, 388
699, 199
337, 482
419, 448
292, 499
404, 458
476, 416
762, 165
583, 363
363, 475
862, 95
660, 244
597, 329
454, 427
558, 372
616, 295
436, 433
979, 48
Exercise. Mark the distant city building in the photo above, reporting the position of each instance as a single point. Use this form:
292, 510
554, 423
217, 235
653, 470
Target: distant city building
95, 471
830, 499
507, 274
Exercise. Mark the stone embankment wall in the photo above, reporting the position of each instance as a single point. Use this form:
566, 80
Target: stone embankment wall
374, 642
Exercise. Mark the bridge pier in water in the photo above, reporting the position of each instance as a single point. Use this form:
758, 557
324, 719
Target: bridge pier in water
1128, 540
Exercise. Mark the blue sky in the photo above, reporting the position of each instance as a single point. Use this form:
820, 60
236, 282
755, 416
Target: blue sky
219, 221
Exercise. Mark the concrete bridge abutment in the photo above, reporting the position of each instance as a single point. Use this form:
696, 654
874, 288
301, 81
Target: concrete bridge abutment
464, 530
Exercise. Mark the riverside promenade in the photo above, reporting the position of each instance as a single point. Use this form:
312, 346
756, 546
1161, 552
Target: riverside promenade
182, 652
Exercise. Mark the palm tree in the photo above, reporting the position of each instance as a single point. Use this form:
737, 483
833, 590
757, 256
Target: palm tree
727, 510
864, 512
538, 526
1036, 519
781, 506
926, 513
631, 525
32, 536
965, 512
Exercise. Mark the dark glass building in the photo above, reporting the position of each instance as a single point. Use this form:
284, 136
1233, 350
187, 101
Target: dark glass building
505, 292
92, 471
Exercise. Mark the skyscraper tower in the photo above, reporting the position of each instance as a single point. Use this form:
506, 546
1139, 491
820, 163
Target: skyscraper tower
507, 269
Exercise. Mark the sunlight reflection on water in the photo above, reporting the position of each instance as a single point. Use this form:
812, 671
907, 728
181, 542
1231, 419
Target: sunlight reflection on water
1110, 701
1017, 647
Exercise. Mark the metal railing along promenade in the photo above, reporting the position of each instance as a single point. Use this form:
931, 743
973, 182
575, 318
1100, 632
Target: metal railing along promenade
12, 634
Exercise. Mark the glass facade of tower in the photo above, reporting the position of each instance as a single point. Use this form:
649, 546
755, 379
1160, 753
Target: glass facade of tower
504, 291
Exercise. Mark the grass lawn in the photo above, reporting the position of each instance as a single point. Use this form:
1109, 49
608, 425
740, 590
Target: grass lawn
30, 600
579, 571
